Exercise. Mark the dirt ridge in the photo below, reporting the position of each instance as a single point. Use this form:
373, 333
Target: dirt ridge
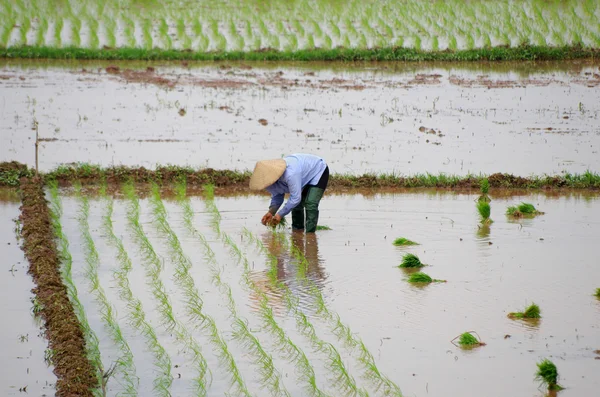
74, 372
91, 174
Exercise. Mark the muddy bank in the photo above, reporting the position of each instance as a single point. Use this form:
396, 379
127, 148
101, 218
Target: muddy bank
89, 174
74, 371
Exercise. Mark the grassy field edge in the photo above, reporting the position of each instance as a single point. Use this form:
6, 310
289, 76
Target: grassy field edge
10, 174
523, 52
74, 371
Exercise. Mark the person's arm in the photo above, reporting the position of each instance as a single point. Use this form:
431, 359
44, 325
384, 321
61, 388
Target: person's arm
294, 182
276, 201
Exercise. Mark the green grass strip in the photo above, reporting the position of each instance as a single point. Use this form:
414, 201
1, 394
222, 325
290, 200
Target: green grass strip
135, 311
124, 365
91, 339
521, 53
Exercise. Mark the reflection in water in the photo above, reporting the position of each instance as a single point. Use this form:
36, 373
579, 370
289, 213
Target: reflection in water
286, 270
483, 232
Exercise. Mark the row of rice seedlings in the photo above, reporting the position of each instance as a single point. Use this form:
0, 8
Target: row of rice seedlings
75, 31
91, 339
342, 331
93, 28
110, 29
40, 33
124, 364
170, 322
135, 311
291, 352
270, 377
343, 380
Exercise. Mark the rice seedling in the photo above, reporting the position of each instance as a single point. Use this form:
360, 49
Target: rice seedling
419, 277
146, 33
531, 312
342, 380
75, 31
523, 210
91, 339
547, 375
323, 227
270, 377
484, 210
401, 241
154, 266
343, 332
411, 261
468, 340
135, 311
597, 294
125, 366
484, 188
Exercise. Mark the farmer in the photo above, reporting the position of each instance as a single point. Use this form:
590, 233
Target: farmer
304, 177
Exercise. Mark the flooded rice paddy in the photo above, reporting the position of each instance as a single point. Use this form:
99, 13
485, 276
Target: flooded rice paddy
402, 118
305, 24
202, 267
23, 346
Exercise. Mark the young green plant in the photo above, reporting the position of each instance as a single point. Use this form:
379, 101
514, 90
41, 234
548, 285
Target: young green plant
547, 375
531, 312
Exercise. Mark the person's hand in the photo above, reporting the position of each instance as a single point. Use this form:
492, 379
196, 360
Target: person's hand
275, 220
266, 219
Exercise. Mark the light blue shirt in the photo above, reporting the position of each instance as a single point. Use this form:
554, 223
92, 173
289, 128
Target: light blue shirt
301, 170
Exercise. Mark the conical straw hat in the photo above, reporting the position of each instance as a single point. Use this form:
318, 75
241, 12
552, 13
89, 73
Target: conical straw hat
266, 172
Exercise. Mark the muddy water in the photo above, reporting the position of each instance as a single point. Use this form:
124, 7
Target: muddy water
23, 346
491, 272
452, 118
548, 260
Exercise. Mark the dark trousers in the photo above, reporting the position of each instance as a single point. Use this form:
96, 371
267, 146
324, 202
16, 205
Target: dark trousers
311, 196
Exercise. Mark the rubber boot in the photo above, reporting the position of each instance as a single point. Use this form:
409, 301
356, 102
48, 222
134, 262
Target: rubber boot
298, 217
312, 208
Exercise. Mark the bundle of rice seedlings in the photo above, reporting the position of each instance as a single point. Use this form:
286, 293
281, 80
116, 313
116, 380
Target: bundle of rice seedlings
419, 278
468, 340
484, 209
547, 374
484, 187
521, 210
400, 241
531, 312
597, 294
323, 227
411, 260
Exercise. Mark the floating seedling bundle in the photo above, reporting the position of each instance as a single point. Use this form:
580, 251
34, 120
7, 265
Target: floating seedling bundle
484, 188
422, 278
484, 209
411, 261
401, 241
523, 210
531, 312
547, 375
468, 340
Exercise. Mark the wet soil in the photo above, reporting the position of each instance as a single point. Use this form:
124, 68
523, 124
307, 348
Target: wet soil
75, 376
363, 118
